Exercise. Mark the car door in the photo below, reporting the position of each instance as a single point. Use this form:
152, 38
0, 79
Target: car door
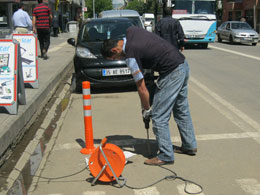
221, 30
227, 31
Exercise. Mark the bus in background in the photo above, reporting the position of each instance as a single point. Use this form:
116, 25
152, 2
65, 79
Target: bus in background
198, 20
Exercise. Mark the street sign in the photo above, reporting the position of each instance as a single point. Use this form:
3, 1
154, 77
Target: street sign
11, 79
28, 48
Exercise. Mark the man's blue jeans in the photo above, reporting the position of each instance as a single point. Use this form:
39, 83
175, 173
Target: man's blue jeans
171, 95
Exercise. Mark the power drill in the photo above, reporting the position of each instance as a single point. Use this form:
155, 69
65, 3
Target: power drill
147, 125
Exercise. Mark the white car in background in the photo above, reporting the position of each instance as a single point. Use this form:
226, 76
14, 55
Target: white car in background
124, 13
237, 32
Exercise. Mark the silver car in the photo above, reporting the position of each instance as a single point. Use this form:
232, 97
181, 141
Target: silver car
237, 32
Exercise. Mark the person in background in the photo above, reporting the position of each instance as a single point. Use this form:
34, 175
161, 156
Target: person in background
170, 29
21, 20
243, 19
42, 18
171, 94
55, 23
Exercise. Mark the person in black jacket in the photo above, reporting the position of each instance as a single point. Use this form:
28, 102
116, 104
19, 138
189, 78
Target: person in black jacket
55, 23
145, 50
170, 29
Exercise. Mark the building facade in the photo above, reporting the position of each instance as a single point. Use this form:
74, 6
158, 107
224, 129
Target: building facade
68, 10
247, 9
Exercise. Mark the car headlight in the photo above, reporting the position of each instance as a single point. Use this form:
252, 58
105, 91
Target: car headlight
84, 53
236, 34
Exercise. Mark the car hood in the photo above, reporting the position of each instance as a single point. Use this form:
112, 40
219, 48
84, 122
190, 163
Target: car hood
244, 31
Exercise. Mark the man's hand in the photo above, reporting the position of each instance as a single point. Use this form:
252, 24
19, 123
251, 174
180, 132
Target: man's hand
34, 30
146, 117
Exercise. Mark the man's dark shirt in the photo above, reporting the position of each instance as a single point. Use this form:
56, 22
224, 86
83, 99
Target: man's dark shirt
42, 14
171, 30
151, 51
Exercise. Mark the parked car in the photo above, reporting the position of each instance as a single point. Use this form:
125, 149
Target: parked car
124, 13
89, 63
237, 32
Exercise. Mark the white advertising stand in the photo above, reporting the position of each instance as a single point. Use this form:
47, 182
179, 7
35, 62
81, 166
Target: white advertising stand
28, 45
11, 77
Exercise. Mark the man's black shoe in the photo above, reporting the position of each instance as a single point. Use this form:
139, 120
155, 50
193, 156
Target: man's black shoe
180, 150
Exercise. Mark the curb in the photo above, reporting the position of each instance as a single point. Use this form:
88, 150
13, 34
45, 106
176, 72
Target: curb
15, 181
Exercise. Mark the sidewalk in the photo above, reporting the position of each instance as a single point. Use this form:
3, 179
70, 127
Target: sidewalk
50, 73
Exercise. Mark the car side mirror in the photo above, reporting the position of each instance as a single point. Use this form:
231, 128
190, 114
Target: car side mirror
71, 41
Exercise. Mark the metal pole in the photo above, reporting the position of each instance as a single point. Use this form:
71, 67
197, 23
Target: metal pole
254, 17
82, 11
94, 15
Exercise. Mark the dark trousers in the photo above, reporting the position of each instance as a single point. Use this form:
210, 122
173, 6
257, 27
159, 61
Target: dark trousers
44, 39
55, 32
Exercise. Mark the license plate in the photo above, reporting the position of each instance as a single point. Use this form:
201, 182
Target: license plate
248, 39
116, 71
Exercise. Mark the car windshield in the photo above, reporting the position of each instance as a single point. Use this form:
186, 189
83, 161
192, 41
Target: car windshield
239, 25
136, 21
194, 7
100, 31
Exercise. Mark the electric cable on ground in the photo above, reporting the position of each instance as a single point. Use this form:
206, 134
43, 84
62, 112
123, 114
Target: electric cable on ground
171, 177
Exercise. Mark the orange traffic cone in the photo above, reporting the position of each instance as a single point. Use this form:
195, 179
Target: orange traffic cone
89, 148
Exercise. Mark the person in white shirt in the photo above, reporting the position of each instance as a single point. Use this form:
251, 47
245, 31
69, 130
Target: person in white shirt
21, 20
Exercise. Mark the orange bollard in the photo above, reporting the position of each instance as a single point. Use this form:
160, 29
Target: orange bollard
87, 119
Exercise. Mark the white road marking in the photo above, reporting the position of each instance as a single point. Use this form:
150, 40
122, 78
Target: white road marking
190, 188
205, 137
208, 137
235, 52
147, 191
250, 186
57, 47
94, 193
227, 109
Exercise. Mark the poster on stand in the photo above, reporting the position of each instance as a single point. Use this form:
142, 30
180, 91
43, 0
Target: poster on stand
28, 49
8, 73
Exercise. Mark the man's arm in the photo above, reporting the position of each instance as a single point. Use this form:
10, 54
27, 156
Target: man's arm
143, 94
51, 19
28, 20
180, 35
34, 24
139, 80
157, 28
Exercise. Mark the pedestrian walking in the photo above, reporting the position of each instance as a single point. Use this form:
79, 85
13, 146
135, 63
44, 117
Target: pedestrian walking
21, 20
170, 29
55, 23
42, 18
145, 50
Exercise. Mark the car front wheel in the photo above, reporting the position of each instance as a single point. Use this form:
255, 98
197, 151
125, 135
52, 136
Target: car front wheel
76, 86
204, 45
254, 44
219, 39
231, 40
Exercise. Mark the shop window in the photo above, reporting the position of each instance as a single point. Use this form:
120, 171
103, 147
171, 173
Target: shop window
229, 16
238, 15
249, 14
3, 15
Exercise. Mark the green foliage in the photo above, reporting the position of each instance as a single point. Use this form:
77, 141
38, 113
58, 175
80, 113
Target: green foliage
142, 7
150, 6
137, 5
100, 5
